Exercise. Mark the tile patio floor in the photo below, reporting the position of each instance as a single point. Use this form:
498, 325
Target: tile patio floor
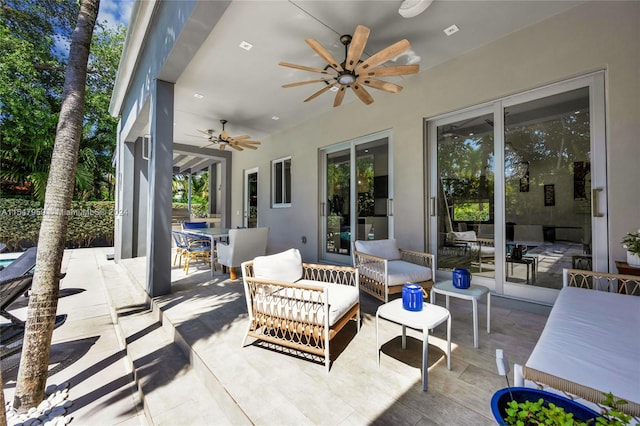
211, 379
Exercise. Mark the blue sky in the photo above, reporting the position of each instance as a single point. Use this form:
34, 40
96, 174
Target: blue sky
115, 11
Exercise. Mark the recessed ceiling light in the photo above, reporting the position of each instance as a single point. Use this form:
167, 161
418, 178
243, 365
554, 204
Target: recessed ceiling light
246, 45
334, 89
275, 117
451, 30
198, 96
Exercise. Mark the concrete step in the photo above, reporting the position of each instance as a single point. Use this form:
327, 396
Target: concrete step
173, 389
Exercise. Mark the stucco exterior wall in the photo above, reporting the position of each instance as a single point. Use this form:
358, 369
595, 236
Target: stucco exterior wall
591, 37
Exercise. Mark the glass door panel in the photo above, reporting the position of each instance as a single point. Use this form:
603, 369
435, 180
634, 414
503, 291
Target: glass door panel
547, 166
465, 173
251, 199
338, 212
372, 182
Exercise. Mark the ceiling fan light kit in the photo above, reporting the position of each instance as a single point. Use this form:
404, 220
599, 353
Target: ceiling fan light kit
352, 71
412, 8
239, 143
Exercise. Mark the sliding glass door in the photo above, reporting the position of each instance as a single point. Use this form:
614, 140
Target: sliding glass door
356, 201
546, 208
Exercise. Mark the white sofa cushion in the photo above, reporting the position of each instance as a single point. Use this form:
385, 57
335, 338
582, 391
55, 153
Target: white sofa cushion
386, 249
464, 236
401, 272
285, 266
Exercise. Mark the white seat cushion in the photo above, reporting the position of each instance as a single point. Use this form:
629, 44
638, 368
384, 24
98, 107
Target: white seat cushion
401, 272
296, 304
341, 298
464, 236
386, 249
285, 266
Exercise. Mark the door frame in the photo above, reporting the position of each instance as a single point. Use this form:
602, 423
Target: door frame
351, 145
599, 219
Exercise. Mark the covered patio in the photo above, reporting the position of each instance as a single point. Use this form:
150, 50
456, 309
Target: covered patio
206, 317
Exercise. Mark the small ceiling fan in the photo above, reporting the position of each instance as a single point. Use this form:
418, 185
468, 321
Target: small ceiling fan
223, 139
352, 71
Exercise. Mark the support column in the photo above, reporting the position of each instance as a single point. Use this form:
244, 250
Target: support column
159, 205
213, 189
225, 198
124, 217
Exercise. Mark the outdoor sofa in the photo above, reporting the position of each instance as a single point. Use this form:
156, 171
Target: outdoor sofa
589, 345
383, 268
297, 305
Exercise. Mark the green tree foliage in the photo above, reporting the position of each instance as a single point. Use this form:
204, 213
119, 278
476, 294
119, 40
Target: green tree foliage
199, 192
34, 36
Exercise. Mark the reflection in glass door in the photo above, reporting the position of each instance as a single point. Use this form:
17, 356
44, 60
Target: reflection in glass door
372, 182
338, 212
466, 195
547, 155
251, 198
356, 204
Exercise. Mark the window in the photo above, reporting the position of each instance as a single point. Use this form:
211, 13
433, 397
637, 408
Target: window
281, 182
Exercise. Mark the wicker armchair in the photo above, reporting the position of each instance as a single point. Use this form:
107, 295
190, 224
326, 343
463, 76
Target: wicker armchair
304, 307
383, 268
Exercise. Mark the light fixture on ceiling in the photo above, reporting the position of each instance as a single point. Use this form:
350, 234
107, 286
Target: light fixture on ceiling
353, 72
198, 96
275, 117
411, 8
246, 45
452, 29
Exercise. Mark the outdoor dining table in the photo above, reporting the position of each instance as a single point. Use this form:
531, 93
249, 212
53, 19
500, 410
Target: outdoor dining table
214, 235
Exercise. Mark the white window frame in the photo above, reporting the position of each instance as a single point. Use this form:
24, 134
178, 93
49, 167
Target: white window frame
274, 203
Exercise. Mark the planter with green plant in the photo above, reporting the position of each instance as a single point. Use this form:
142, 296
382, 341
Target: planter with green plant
631, 242
527, 406
522, 406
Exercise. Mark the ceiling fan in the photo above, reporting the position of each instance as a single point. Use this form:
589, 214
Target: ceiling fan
352, 71
223, 139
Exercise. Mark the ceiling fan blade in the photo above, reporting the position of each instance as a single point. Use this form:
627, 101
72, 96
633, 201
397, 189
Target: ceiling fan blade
358, 42
379, 84
384, 55
236, 147
206, 132
320, 92
303, 68
324, 54
362, 94
246, 142
247, 146
391, 71
300, 83
339, 96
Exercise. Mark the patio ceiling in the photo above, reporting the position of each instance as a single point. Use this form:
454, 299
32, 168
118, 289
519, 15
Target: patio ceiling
224, 81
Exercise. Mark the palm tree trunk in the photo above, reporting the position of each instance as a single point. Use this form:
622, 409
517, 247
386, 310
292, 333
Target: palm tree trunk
43, 302
3, 416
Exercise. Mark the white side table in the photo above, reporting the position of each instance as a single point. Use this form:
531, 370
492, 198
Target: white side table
473, 293
428, 318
